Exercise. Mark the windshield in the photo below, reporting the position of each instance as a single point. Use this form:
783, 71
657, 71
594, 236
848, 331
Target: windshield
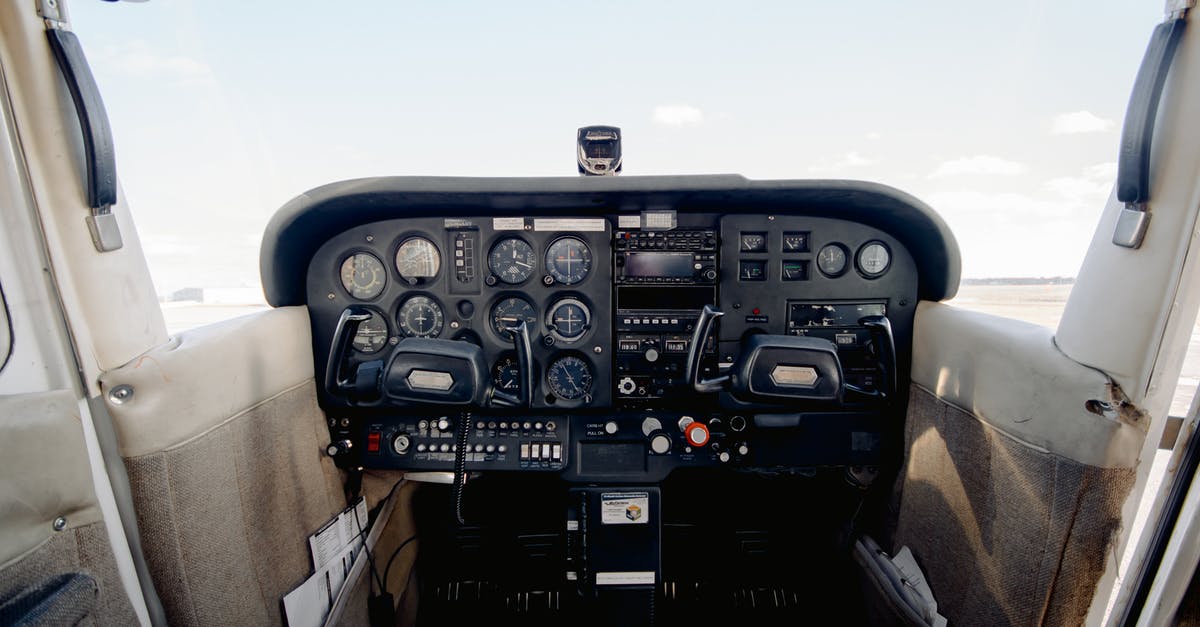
1006, 121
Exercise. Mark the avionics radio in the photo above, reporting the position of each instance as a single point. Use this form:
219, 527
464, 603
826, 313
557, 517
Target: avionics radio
663, 280
664, 258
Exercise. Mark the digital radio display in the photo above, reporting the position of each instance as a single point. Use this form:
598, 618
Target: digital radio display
659, 265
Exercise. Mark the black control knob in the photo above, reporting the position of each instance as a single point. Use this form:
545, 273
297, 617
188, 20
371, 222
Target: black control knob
338, 448
710, 274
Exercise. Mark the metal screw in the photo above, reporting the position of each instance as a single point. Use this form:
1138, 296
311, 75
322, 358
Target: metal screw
597, 349
60, 523
120, 394
370, 238
454, 324
770, 217
393, 340
331, 296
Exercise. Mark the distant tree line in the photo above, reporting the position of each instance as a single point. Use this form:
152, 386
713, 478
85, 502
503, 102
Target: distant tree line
1055, 280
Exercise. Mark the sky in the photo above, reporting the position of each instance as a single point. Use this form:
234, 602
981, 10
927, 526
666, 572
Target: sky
1004, 117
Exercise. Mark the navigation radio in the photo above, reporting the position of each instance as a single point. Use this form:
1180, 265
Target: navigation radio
668, 257
663, 281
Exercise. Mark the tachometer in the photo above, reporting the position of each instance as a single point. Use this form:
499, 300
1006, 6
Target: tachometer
831, 260
506, 374
512, 260
873, 259
372, 334
570, 378
418, 258
568, 319
363, 276
568, 260
509, 312
420, 316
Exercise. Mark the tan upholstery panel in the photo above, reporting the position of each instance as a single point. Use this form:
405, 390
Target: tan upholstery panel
225, 516
44, 470
1011, 375
201, 378
80, 549
1005, 533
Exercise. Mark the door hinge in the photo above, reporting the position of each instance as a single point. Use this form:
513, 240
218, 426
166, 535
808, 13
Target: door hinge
54, 13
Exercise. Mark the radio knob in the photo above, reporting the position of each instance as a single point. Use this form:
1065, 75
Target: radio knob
696, 434
743, 450
443, 424
710, 275
724, 457
660, 444
627, 386
651, 355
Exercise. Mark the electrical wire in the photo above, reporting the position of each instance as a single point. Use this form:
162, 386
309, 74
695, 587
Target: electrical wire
362, 533
388, 568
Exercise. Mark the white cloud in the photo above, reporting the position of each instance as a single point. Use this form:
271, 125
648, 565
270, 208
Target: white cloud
851, 159
873, 135
1080, 122
678, 115
1091, 187
979, 164
136, 59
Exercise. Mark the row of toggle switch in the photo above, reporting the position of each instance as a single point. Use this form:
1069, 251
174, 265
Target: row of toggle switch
543, 451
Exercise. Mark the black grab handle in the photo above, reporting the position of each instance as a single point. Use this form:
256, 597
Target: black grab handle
97, 134
1133, 165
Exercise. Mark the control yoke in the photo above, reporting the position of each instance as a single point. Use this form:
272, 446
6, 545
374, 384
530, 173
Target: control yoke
424, 370
782, 368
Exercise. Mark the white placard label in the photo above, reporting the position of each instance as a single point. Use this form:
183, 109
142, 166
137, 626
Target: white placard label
629, 222
568, 224
508, 224
625, 508
633, 578
664, 220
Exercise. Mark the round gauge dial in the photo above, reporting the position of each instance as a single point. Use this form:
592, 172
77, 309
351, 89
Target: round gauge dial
506, 374
509, 311
568, 319
873, 259
831, 260
568, 260
417, 258
512, 260
372, 334
570, 378
420, 316
363, 276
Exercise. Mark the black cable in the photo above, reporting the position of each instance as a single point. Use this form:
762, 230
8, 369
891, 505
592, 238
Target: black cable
388, 568
362, 533
460, 465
